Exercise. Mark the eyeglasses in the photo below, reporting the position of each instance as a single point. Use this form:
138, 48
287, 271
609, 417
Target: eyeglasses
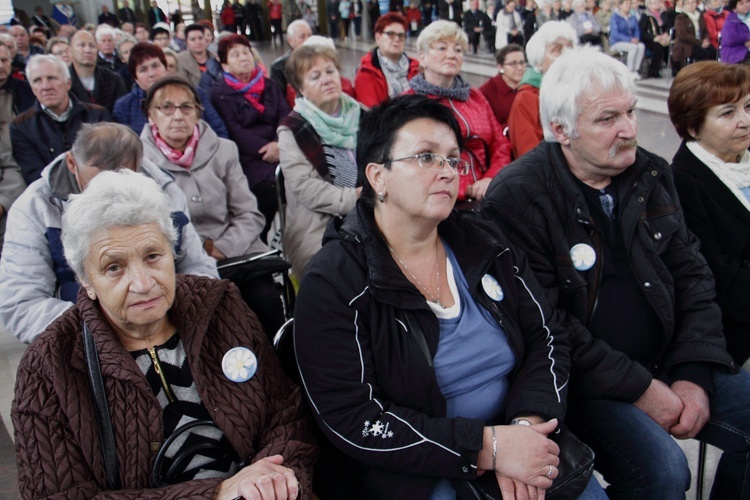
393, 34
435, 161
169, 109
515, 64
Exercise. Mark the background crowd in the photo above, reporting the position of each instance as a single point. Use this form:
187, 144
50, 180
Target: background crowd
145, 156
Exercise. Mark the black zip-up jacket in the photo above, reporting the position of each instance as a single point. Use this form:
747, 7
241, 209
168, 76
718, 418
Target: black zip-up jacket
37, 139
368, 372
537, 204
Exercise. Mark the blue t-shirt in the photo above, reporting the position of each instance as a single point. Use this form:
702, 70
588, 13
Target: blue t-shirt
473, 360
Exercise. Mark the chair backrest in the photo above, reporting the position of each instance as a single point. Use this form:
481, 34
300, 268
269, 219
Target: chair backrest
283, 343
280, 195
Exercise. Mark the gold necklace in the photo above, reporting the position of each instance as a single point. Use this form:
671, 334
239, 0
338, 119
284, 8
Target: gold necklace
434, 299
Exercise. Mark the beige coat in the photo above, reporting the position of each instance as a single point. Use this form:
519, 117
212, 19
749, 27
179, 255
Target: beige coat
311, 203
219, 199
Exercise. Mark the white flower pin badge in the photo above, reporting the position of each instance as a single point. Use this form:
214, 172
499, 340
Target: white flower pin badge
583, 256
239, 364
492, 288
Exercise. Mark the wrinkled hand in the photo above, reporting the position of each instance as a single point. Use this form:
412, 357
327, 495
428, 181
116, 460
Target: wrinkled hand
266, 479
661, 404
696, 409
705, 43
478, 189
512, 489
525, 453
270, 152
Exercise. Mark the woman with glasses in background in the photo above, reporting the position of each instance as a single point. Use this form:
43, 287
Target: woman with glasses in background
500, 90
385, 71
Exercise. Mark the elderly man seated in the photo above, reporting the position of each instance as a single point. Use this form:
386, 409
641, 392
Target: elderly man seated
602, 226
38, 285
50, 127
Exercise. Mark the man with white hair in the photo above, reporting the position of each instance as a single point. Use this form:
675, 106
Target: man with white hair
49, 128
105, 42
38, 285
92, 83
543, 48
601, 224
296, 33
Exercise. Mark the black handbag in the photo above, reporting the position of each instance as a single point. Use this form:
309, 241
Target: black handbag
574, 473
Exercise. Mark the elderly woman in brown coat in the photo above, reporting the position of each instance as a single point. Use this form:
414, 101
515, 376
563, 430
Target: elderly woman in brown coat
691, 36
189, 399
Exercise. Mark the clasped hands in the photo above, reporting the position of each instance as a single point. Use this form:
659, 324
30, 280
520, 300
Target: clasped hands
266, 479
526, 460
682, 409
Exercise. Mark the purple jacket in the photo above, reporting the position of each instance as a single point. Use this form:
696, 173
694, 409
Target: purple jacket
250, 129
734, 34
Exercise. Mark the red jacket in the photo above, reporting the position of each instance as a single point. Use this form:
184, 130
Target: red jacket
484, 134
227, 16
524, 123
714, 23
500, 96
370, 85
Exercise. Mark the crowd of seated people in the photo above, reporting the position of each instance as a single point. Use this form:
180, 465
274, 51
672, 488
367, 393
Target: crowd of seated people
119, 203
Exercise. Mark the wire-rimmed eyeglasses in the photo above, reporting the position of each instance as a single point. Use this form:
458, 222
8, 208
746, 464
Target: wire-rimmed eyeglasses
169, 109
435, 161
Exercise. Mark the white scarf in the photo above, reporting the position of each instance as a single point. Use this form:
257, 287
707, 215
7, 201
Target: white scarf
694, 17
735, 176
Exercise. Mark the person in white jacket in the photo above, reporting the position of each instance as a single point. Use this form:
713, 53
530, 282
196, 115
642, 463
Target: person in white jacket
37, 283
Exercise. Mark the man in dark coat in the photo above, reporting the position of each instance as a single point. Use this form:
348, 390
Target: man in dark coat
126, 14
106, 17
156, 15
602, 226
92, 83
450, 10
475, 22
49, 128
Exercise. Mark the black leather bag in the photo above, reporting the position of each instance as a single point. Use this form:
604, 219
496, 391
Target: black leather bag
574, 473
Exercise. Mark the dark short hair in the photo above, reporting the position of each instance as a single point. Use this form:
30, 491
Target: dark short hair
143, 52
700, 86
226, 44
194, 27
388, 19
303, 58
139, 25
174, 81
732, 4
158, 31
501, 54
379, 127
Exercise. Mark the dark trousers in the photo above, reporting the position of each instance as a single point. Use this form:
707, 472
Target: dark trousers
265, 193
262, 295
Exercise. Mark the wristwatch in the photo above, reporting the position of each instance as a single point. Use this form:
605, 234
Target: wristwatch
520, 421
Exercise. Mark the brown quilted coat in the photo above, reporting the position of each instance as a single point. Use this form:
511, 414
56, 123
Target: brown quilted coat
57, 442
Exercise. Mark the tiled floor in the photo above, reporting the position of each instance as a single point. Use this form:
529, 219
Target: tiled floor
655, 134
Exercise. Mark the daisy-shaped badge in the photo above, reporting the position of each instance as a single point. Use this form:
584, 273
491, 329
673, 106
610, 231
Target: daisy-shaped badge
583, 256
492, 288
239, 364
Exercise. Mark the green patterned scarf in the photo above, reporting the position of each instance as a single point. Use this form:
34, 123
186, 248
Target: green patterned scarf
340, 130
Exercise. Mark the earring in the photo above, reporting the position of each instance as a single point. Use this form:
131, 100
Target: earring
502, 71
381, 197
91, 294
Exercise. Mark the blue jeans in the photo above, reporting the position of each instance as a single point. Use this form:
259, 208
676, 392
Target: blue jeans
640, 460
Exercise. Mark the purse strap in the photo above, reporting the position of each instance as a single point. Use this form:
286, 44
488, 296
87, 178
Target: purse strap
106, 435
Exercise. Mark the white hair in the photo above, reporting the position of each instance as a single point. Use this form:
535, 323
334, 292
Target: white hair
441, 30
111, 199
578, 72
103, 30
9, 41
41, 58
547, 34
294, 25
320, 40
125, 39
576, 3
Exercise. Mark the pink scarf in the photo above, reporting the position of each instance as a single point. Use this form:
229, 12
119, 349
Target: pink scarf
181, 158
251, 90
